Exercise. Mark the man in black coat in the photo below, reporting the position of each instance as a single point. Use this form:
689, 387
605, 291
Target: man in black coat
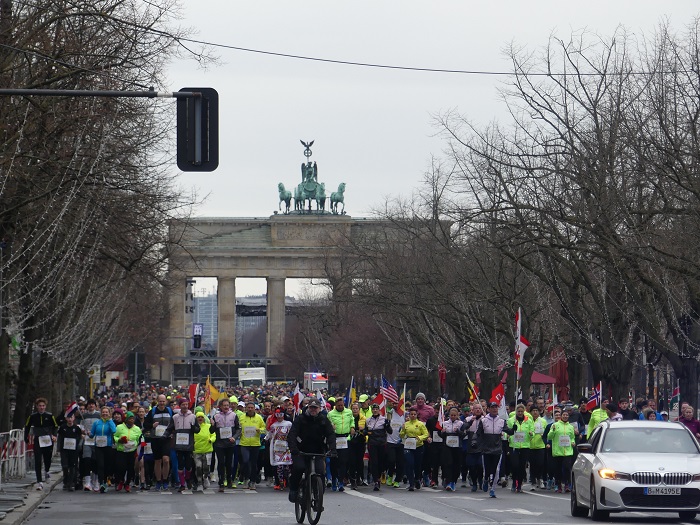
312, 433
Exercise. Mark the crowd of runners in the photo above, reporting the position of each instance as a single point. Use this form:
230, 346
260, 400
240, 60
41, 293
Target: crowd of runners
166, 442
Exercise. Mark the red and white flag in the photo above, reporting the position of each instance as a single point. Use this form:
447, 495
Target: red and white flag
441, 416
297, 398
498, 395
521, 344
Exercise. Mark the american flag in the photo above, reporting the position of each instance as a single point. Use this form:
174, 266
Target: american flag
388, 391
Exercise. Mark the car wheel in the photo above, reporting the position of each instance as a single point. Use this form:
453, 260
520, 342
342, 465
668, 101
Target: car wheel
597, 514
687, 515
577, 511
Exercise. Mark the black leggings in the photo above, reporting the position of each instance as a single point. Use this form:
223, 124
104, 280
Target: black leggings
40, 453
224, 460
451, 463
518, 462
492, 462
104, 457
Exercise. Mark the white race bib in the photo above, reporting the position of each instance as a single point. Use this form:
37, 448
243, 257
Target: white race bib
148, 449
250, 432
45, 441
538, 428
159, 431
69, 443
280, 446
225, 432
436, 437
452, 441
564, 441
519, 437
89, 441
410, 443
396, 427
182, 439
101, 441
341, 442
129, 446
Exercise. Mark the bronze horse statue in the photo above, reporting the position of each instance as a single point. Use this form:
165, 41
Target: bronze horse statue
285, 196
337, 197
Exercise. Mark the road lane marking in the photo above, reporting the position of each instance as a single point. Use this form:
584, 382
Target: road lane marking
396, 506
516, 511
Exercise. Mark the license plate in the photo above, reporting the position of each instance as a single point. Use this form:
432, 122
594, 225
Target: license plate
661, 491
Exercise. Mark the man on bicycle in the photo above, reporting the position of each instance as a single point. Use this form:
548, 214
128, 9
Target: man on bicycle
312, 433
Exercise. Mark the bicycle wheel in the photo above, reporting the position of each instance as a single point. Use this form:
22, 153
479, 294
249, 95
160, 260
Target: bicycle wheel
315, 500
300, 503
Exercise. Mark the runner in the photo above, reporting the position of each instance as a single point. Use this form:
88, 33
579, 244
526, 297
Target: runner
562, 437
488, 436
474, 459
44, 427
537, 450
523, 430
343, 425
88, 465
280, 453
203, 449
69, 437
252, 426
414, 434
103, 431
376, 428
155, 425
227, 428
452, 434
183, 426
357, 448
128, 439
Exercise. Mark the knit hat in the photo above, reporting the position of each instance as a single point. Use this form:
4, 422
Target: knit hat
198, 409
129, 414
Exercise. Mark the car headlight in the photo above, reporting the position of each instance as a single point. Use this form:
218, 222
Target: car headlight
608, 473
696, 477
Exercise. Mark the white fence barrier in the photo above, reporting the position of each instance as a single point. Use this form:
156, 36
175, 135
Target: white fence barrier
13, 455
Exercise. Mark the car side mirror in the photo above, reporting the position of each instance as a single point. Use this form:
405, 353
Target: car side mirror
584, 448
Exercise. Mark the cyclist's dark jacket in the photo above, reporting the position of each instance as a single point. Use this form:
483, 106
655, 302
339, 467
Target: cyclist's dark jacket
313, 435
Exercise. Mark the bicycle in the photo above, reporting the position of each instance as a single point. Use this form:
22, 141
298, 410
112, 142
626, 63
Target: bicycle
309, 500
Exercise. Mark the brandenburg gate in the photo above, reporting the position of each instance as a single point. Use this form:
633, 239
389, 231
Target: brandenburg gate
299, 243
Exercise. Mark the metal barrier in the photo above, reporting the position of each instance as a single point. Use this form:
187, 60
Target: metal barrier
13, 454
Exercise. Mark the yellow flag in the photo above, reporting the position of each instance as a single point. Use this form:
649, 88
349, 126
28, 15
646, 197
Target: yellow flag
210, 394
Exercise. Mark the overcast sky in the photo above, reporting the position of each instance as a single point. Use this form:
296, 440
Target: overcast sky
372, 127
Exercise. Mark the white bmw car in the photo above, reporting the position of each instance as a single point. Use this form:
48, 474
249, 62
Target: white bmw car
651, 466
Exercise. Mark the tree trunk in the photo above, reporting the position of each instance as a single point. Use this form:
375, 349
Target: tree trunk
25, 384
4, 381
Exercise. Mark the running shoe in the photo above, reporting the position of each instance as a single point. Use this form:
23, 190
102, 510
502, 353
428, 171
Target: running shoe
127, 488
103, 488
40, 486
120, 486
492, 493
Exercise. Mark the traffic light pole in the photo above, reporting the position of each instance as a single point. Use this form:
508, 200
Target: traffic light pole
197, 120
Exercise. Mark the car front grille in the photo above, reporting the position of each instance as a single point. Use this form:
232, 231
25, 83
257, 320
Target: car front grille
655, 478
677, 478
634, 497
646, 478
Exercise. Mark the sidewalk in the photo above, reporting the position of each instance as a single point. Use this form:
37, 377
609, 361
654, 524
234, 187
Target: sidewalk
19, 498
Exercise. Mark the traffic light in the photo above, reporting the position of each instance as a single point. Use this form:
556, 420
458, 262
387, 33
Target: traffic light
197, 341
198, 130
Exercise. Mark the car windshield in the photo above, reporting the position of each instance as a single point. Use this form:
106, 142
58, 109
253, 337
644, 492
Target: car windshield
649, 440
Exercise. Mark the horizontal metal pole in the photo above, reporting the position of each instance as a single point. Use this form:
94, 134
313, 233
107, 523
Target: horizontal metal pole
98, 93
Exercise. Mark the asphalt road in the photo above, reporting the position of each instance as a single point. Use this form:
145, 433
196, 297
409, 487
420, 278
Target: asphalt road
267, 507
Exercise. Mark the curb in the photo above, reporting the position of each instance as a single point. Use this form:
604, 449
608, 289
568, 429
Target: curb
32, 501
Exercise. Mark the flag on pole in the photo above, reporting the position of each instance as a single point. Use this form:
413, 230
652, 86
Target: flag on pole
381, 401
676, 397
71, 409
319, 395
297, 398
521, 344
555, 397
388, 391
472, 390
193, 390
441, 416
211, 393
401, 405
593, 401
351, 396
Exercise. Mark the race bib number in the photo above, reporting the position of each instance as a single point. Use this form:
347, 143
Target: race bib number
159, 431
69, 444
396, 427
452, 441
519, 437
280, 446
341, 442
564, 441
182, 439
129, 446
89, 441
436, 437
538, 428
410, 443
225, 432
250, 432
148, 449
101, 441
45, 441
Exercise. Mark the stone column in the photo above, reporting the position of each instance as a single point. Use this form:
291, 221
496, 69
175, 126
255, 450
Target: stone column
173, 340
275, 316
227, 316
